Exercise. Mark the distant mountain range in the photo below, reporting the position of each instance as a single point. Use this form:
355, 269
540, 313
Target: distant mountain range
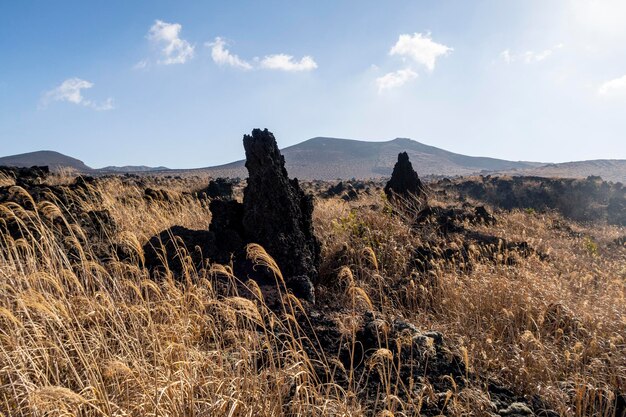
609, 169
54, 160
331, 158
132, 168
57, 161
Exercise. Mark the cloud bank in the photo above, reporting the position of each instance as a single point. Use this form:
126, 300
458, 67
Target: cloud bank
70, 91
167, 37
277, 62
614, 87
223, 56
528, 57
420, 48
395, 79
416, 48
283, 62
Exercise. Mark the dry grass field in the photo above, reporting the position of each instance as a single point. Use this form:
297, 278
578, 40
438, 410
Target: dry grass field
86, 331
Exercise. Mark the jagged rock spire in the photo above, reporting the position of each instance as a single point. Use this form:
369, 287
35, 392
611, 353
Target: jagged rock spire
404, 180
277, 213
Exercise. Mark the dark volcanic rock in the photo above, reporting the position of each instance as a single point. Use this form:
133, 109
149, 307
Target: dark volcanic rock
277, 213
335, 190
483, 216
219, 188
616, 210
578, 199
26, 176
449, 223
228, 229
350, 195
404, 180
346, 190
419, 357
61, 208
168, 249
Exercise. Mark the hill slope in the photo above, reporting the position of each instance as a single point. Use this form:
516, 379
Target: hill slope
132, 169
332, 158
56, 161
609, 169
52, 159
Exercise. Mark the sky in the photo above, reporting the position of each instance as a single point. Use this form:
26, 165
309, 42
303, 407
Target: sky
177, 84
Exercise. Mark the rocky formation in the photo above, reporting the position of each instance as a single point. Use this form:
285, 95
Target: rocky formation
404, 181
219, 188
446, 226
346, 190
26, 176
275, 214
423, 358
589, 199
616, 209
60, 208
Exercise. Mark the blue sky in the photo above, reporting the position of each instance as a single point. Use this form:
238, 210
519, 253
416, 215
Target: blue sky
179, 83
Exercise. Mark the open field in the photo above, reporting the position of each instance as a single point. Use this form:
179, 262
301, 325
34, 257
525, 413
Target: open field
493, 329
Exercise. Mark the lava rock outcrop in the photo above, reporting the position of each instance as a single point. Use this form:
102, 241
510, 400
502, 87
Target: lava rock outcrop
275, 214
404, 181
344, 189
219, 188
26, 176
61, 208
583, 200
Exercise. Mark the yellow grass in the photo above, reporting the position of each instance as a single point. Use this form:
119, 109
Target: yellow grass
89, 337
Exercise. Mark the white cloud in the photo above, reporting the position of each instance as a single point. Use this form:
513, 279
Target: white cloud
420, 48
281, 62
615, 87
529, 57
395, 79
222, 56
143, 64
506, 56
174, 49
70, 91
285, 62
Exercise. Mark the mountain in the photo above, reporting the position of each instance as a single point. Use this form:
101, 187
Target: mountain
54, 160
332, 158
132, 169
609, 169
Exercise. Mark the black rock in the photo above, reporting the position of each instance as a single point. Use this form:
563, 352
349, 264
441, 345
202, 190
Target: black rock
277, 213
483, 216
227, 226
404, 180
26, 176
616, 210
96, 224
219, 188
169, 248
335, 190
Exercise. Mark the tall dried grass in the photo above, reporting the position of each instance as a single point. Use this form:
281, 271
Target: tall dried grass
84, 337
